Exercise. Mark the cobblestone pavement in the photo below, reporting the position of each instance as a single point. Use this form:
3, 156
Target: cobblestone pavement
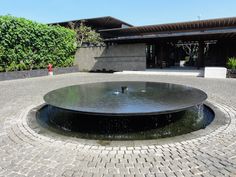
23, 152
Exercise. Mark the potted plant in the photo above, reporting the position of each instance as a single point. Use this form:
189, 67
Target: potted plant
231, 65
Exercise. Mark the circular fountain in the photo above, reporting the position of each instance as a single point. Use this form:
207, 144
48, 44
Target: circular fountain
125, 98
126, 110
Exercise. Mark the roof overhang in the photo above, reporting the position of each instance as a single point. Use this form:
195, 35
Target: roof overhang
225, 32
212, 27
106, 22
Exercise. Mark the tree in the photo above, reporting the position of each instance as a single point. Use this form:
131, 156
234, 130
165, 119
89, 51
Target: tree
86, 35
190, 48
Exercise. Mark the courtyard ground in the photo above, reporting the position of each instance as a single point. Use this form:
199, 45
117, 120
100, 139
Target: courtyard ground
24, 152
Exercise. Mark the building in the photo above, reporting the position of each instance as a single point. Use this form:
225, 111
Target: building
195, 44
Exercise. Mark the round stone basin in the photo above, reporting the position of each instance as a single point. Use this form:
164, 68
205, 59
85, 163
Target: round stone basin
125, 98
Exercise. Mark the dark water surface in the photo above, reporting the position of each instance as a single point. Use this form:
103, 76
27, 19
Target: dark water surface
124, 110
52, 119
138, 98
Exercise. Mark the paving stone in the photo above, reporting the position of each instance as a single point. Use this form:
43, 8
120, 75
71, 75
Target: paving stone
25, 152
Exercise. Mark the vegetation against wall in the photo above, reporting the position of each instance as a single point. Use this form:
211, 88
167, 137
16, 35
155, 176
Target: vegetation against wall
86, 36
231, 64
28, 45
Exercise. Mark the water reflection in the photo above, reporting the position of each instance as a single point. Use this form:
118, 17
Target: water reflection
124, 128
139, 97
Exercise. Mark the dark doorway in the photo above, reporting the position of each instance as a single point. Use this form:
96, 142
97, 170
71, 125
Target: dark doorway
151, 56
185, 54
163, 55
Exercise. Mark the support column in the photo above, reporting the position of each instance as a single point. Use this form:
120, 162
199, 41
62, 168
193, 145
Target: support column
161, 55
200, 59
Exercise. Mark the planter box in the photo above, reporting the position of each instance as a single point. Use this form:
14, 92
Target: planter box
215, 72
35, 73
231, 73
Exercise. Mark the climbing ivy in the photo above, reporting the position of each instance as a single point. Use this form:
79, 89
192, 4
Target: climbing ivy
26, 45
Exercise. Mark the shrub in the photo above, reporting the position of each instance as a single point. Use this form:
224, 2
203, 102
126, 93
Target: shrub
25, 44
231, 64
85, 35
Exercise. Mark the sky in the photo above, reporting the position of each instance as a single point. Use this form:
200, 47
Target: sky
136, 12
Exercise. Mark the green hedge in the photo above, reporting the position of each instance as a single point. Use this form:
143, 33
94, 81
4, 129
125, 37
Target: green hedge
28, 45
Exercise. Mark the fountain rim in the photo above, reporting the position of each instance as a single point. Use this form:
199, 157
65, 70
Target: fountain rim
220, 120
126, 114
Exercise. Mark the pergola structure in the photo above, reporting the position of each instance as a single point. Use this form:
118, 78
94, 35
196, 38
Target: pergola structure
224, 27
